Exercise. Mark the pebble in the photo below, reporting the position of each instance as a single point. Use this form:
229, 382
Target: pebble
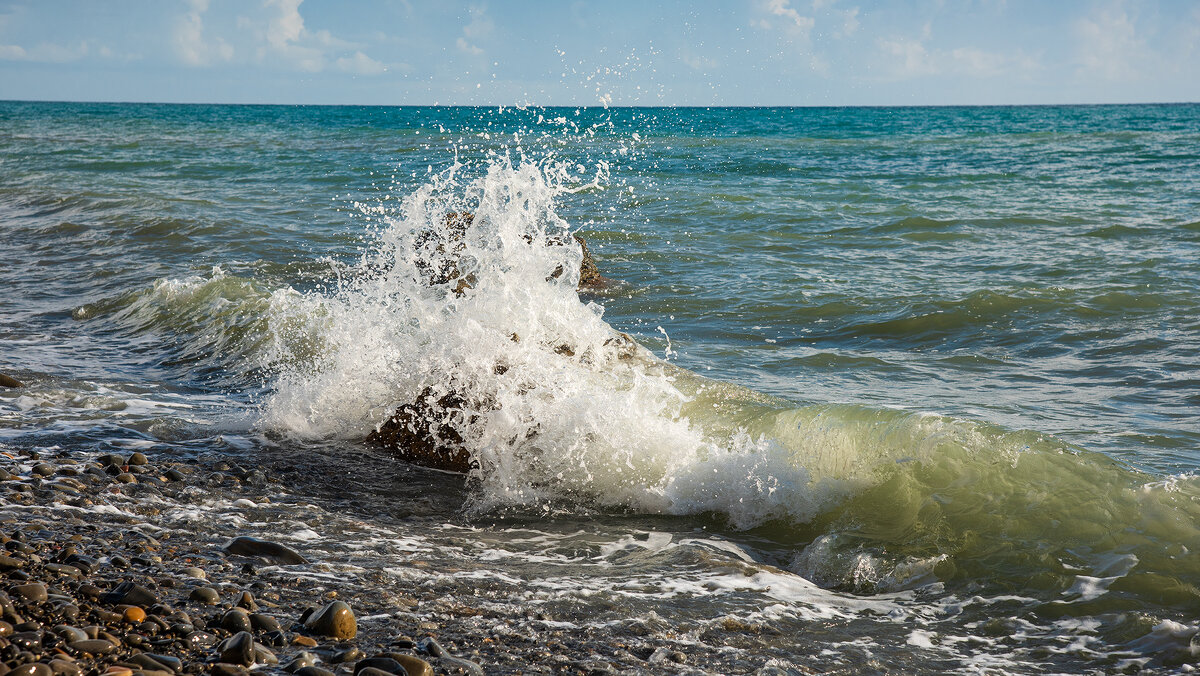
304, 659
239, 649
414, 666
63, 667
336, 620
34, 592
205, 595
236, 620
92, 646
314, 671
221, 669
248, 546
246, 601
134, 615
264, 623
128, 593
34, 669
305, 641
194, 572
137, 459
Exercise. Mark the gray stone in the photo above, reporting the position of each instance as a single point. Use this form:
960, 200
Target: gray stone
248, 546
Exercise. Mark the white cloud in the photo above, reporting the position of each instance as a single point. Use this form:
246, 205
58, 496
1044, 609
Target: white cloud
468, 47
801, 24
46, 52
360, 64
849, 24
906, 58
1108, 44
189, 42
478, 28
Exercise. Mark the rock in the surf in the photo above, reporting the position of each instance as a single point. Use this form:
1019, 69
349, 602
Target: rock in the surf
422, 432
442, 247
9, 381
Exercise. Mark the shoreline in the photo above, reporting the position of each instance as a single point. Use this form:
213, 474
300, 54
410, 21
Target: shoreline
87, 556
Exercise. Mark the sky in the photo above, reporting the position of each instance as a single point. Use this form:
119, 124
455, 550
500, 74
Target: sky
611, 52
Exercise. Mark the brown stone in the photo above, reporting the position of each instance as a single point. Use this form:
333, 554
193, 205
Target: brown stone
9, 381
421, 432
335, 620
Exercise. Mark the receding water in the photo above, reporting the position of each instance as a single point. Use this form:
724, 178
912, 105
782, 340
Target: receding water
917, 388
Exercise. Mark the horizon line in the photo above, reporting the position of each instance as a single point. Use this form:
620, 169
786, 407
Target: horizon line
601, 106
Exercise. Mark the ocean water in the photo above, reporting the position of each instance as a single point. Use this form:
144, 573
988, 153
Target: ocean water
915, 389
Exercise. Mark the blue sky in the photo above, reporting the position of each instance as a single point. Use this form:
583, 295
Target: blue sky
741, 52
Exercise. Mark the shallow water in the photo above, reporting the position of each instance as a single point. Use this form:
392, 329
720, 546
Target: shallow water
918, 388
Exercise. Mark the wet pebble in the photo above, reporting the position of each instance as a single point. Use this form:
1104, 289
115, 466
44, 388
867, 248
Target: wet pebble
248, 546
205, 595
238, 649
336, 620
314, 671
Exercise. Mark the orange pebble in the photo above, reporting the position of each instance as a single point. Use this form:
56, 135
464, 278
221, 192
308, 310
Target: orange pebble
133, 615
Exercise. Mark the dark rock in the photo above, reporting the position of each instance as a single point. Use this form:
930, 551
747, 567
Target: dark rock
69, 633
248, 546
9, 381
43, 469
128, 593
28, 639
345, 655
264, 623
421, 432
137, 459
222, 669
313, 671
205, 595
155, 662
201, 639
65, 570
263, 655
246, 601
386, 665
372, 671
236, 620
97, 646
63, 667
414, 666
33, 669
429, 645
34, 592
239, 649
335, 620
304, 659
174, 475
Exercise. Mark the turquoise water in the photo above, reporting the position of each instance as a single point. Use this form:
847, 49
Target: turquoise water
944, 360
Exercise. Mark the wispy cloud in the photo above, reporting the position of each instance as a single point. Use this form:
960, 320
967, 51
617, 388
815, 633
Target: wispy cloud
190, 43
49, 52
794, 21
1109, 44
476, 30
907, 58
360, 64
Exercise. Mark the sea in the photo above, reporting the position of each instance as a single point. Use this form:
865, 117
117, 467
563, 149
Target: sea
913, 389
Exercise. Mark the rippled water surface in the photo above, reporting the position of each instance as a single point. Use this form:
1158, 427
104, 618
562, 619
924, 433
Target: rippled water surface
917, 387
